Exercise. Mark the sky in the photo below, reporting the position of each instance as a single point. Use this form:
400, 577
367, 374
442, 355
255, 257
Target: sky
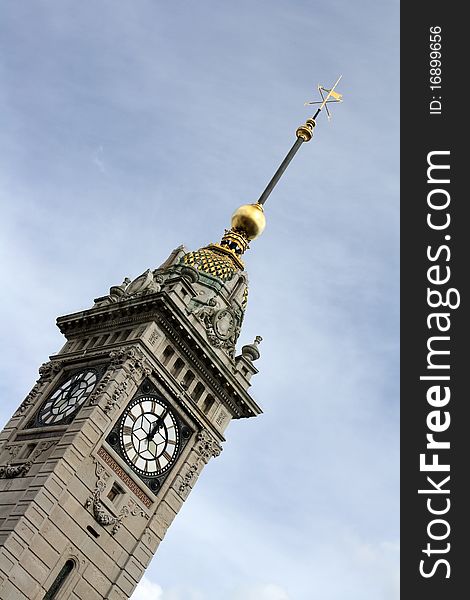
131, 127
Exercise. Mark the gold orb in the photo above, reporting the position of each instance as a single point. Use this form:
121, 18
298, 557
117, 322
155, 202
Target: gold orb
250, 219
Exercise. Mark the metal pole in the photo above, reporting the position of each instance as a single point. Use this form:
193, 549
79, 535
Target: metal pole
278, 174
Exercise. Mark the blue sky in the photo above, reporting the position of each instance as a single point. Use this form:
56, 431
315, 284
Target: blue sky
129, 128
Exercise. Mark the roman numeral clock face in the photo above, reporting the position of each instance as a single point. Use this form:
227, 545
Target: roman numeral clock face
67, 398
149, 436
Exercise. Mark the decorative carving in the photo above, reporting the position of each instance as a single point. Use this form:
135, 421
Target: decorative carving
132, 361
222, 325
190, 273
102, 515
102, 385
46, 372
49, 369
207, 446
13, 450
100, 512
113, 401
116, 292
221, 418
188, 478
135, 510
109, 460
251, 351
10, 471
150, 282
153, 337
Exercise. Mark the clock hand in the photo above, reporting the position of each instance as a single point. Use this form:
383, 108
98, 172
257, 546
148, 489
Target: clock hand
157, 425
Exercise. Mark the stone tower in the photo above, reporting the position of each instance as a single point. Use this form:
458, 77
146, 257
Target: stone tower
104, 450
100, 456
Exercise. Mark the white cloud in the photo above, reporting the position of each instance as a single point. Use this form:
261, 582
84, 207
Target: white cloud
147, 590
267, 591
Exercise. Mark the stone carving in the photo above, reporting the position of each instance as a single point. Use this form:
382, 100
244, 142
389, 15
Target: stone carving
223, 322
207, 446
190, 273
132, 360
13, 450
101, 514
153, 337
205, 311
251, 351
113, 401
222, 325
221, 418
188, 478
124, 477
102, 385
46, 372
133, 363
116, 292
10, 471
150, 282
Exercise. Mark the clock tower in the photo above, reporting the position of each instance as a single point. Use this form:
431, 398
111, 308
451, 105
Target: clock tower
105, 449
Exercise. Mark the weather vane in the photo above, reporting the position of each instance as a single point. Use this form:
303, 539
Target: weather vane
332, 96
304, 133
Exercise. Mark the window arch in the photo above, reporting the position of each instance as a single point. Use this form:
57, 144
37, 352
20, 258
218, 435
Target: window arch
59, 580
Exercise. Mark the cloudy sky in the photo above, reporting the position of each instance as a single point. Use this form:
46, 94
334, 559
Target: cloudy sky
129, 127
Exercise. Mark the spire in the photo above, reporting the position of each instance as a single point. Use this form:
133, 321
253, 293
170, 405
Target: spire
248, 221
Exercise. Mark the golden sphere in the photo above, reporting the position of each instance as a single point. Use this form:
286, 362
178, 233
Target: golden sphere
250, 219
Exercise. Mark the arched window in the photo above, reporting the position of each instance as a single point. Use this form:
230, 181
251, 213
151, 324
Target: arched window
198, 390
188, 379
177, 367
208, 403
59, 580
167, 354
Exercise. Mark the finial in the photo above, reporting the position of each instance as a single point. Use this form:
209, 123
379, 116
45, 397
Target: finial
251, 351
248, 221
304, 133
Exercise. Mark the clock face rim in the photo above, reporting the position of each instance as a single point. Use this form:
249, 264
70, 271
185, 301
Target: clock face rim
67, 414
145, 426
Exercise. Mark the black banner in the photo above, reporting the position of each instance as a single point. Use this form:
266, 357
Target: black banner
434, 305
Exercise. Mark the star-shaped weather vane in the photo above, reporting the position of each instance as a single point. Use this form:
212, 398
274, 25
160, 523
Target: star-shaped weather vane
304, 133
331, 96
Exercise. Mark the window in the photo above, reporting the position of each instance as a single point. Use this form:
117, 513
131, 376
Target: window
59, 580
188, 379
177, 367
197, 393
207, 404
81, 344
114, 492
93, 342
167, 354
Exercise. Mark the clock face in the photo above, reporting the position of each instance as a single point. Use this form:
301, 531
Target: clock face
68, 398
149, 436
